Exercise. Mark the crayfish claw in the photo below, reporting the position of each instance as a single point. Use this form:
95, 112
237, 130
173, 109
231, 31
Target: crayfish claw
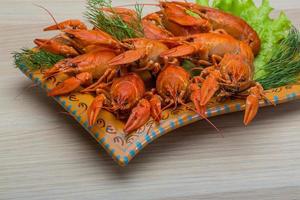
95, 108
252, 105
209, 87
56, 46
138, 117
65, 87
71, 84
127, 57
179, 51
57, 68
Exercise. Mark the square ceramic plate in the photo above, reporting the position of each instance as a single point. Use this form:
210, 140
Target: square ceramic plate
109, 131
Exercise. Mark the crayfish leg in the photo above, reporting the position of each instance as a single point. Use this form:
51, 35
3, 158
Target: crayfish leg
156, 110
195, 98
103, 80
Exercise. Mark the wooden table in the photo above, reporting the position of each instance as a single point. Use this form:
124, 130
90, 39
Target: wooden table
45, 154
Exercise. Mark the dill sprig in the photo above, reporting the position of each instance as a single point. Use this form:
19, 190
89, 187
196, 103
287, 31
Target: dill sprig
138, 23
113, 23
284, 65
35, 59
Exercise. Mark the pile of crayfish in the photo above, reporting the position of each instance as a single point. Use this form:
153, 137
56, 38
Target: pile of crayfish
222, 46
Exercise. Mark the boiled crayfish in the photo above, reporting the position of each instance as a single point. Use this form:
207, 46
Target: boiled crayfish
231, 73
175, 87
212, 20
76, 39
124, 95
154, 28
86, 68
97, 48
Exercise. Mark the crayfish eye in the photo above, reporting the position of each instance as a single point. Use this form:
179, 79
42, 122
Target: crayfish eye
71, 36
73, 65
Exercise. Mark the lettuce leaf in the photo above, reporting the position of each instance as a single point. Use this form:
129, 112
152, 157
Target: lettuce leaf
203, 2
271, 31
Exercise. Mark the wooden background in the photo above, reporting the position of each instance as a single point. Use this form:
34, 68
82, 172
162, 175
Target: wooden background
45, 154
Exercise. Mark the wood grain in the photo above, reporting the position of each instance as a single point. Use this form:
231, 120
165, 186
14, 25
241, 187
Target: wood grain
44, 154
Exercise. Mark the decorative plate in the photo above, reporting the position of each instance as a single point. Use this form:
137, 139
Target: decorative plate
109, 131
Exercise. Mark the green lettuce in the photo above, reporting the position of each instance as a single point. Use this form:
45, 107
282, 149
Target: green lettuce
271, 31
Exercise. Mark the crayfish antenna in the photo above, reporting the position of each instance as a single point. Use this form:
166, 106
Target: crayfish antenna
72, 23
138, 4
200, 109
200, 113
51, 15
268, 100
206, 119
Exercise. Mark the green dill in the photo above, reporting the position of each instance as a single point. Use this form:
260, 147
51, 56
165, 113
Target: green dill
35, 59
284, 66
139, 10
113, 23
